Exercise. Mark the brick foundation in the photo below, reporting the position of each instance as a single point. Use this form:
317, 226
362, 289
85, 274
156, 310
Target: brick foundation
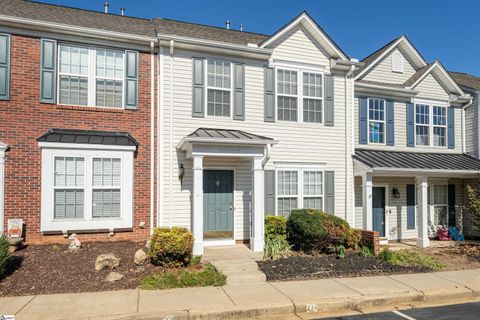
370, 239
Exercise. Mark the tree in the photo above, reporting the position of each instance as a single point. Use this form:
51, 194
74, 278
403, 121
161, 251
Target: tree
472, 205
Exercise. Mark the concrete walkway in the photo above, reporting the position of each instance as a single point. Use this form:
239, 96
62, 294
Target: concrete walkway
253, 299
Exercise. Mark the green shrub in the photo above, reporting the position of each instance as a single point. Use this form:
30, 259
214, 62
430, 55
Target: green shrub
340, 251
365, 251
314, 230
184, 278
275, 248
4, 254
409, 258
275, 226
171, 247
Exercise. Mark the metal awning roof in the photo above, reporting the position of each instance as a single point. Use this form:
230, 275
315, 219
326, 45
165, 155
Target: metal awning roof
88, 137
402, 161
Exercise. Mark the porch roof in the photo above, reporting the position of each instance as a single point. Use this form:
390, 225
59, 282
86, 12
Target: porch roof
418, 161
225, 136
88, 137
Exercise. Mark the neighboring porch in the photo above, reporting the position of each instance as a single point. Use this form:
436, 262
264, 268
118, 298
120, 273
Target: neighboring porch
228, 186
408, 196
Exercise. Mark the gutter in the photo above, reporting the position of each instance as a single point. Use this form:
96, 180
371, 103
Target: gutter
152, 134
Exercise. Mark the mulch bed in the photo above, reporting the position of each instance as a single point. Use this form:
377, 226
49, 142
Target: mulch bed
324, 266
47, 269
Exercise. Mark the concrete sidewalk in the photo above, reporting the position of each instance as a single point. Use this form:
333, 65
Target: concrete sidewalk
249, 300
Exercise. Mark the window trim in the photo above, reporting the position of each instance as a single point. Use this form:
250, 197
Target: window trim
300, 95
205, 66
49, 224
430, 104
300, 186
92, 75
384, 121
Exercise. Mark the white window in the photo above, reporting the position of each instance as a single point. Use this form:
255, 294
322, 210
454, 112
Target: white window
397, 62
438, 213
430, 125
299, 95
90, 76
299, 188
219, 88
86, 189
376, 120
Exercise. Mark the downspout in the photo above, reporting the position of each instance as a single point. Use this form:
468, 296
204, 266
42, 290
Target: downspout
172, 45
464, 143
3, 148
152, 134
160, 146
347, 155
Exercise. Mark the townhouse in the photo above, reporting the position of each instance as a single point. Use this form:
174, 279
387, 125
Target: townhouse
111, 125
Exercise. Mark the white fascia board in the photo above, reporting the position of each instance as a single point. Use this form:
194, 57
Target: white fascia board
436, 64
185, 141
84, 146
291, 25
81, 31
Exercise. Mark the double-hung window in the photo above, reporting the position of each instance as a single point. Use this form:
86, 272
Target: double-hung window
90, 76
312, 97
430, 125
299, 188
69, 188
287, 95
106, 187
219, 88
438, 213
376, 120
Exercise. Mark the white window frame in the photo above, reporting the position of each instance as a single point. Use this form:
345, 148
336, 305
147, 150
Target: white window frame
52, 150
430, 105
205, 66
379, 121
321, 98
300, 70
300, 186
92, 75
432, 205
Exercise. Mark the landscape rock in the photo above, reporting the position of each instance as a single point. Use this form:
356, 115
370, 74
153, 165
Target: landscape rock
15, 244
75, 245
140, 257
106, 260
114, 276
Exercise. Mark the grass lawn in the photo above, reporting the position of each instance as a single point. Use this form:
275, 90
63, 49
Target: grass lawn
410, 258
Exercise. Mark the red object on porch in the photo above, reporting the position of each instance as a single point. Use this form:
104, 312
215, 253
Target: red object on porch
443, 235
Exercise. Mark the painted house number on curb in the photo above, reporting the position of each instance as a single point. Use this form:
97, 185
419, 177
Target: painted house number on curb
312, 307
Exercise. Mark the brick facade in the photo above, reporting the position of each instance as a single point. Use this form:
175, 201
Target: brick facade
370, 239
23, 119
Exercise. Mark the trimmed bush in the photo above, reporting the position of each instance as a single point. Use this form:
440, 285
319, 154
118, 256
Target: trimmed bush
171, 247
276, 248
275, 226
4, 254
314, 230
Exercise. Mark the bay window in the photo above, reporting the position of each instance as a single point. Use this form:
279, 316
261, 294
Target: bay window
219, 88
430, 125
376, 120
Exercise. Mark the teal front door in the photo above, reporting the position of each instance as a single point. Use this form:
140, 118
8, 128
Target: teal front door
218, 204
378, 208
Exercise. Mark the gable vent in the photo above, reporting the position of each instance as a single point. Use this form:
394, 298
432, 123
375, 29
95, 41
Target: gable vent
397, 62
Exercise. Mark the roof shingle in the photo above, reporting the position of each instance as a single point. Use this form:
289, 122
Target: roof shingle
88, 137
466, 80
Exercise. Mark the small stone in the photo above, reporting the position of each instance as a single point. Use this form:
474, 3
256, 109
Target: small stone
114, 276
106, 260
15, 243
75, 245
140, 257
73, 236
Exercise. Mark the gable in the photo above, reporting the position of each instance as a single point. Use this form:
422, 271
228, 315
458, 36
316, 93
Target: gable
297, 45
382, 71
430, 87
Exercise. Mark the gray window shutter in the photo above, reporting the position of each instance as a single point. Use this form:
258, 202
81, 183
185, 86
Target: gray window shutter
131, 80
329, 192
48, 78
198, 81
329, 101
390, 124
4, 67
363, 120
410, 206
269, 192
410, 125
239, 92
269, 94
451, 127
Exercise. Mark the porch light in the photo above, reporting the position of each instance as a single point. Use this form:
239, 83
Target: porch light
396, 193
181, 172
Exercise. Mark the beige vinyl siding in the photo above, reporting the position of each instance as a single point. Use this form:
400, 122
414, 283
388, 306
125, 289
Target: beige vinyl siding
471, 127
298, 142
430, 88
382, 72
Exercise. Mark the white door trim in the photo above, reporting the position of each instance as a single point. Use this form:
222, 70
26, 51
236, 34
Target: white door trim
387, 210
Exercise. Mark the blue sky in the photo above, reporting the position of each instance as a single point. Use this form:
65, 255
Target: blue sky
446, 30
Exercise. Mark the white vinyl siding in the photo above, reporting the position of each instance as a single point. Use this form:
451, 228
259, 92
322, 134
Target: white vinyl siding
90, 76
219, 88
382, 71
430, 88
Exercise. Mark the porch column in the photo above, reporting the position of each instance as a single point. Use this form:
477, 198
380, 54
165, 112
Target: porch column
3, 148
257, 240
422, 212
198, 205
367, 186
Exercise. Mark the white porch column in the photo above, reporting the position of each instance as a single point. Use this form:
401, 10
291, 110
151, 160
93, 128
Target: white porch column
3, 148
257, 240
367, 186
422, 212
198, 205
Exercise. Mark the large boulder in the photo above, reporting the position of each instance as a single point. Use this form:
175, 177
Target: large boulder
106, 260
140, 257
114, 276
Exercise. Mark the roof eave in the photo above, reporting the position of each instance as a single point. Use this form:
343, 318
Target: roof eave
223, 141
379, 89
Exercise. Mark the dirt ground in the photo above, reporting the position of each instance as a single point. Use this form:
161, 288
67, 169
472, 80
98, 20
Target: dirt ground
456, 257
46, 269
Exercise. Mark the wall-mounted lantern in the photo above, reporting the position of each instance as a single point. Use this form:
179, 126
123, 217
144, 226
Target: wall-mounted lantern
181, 172
396, 193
